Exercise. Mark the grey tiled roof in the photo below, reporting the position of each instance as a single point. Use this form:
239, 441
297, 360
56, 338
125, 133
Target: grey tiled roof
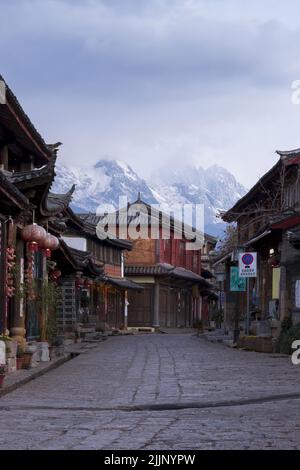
167, 270
12, 190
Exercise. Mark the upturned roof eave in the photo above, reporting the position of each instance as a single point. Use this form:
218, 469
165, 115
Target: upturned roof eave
25, 124
286, 158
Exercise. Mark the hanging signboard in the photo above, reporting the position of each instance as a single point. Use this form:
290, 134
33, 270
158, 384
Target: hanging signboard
237, 283
248, 264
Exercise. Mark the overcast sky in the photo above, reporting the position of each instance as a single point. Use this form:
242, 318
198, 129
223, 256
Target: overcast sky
150, 81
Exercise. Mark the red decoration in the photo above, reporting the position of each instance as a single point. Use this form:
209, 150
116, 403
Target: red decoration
55, 275
10, 264
88, 283
79, 282
33, 247
29, 276
33, 233
47, 253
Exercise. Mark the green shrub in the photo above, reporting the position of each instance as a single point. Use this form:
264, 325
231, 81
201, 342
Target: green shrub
218, 317
286, 338
286, 324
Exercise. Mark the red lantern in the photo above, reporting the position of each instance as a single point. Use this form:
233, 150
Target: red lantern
54, 243
47, 253
49, 242
33, 233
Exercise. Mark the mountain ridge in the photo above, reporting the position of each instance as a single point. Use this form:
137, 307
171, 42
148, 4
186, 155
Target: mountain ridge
103, 183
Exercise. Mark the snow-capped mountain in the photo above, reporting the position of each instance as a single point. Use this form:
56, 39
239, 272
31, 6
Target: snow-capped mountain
103, 183
215, 187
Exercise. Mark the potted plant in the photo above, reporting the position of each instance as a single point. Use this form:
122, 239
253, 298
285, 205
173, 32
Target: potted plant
198, 325
26, 359
2, 374
20, 352
7, 340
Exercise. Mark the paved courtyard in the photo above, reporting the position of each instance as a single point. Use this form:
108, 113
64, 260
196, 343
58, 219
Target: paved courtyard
159, 391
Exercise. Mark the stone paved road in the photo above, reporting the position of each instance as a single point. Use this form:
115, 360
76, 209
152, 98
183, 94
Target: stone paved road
158, 392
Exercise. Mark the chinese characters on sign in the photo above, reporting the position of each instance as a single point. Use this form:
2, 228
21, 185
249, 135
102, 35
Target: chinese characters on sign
248, 264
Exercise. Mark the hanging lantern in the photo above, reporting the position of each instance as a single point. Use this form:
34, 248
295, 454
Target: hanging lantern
54, 243
47, 252
33, 233
49, 242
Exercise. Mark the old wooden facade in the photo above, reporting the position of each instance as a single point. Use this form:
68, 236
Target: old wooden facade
100, 293
268, 222
27, 170
175, 292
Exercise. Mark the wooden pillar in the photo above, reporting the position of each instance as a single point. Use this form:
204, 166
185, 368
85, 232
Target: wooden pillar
126, 304
283, 287
156, 305
45, 306
18, 330
168, 316
200, 300
3, 298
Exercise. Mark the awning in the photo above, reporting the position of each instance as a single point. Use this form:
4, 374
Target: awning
165, 270
185, 274
122, 283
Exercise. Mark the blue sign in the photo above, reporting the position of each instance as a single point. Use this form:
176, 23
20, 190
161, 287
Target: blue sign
237, 283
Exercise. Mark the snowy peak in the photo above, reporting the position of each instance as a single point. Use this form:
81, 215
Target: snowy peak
116, 168
102, 183
107, 180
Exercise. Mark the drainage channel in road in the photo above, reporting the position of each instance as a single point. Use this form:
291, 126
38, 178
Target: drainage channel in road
160, 406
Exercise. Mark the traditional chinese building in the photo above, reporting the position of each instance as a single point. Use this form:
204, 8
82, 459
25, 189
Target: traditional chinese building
99, 297
175, 292
268, 222
30, 221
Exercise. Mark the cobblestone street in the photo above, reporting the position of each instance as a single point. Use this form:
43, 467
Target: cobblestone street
173, 391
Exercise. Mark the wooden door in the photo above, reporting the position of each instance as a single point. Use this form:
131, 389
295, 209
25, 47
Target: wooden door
164, 306
140, 309
115, 308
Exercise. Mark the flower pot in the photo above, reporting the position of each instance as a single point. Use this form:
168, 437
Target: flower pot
19, 363
52, 352
27, 357
2, 377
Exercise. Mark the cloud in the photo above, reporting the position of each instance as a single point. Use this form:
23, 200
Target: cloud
152, 80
